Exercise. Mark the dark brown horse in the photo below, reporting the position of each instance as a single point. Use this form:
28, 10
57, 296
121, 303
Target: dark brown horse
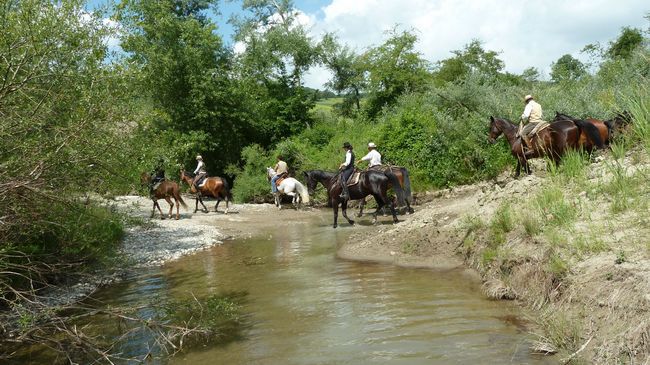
215, 187
587, 141
373, 183
402, 175
167, 189
552, 141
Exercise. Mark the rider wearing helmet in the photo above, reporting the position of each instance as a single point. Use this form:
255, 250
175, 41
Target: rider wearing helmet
200, 171
532, 117
347, 168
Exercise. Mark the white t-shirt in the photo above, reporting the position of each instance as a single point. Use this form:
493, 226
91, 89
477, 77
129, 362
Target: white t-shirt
348, 158
374, 157
200, 167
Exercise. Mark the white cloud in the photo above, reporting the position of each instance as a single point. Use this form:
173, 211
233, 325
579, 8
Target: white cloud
527, 33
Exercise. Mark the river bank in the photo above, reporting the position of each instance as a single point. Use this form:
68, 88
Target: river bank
570, 244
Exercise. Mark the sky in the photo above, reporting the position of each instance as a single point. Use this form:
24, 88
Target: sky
526, 33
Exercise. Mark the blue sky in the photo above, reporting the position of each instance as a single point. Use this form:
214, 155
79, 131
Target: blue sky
526, 33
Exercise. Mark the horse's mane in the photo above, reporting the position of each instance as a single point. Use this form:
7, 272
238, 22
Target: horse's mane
189, 173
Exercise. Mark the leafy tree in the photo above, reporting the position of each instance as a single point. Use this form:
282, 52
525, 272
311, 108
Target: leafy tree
184, 71
471, 59
567, 68
393, 68
278, 51
347, 70
531, 74
625, 44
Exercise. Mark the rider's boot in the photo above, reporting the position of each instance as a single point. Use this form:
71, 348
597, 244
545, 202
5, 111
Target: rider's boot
345, 194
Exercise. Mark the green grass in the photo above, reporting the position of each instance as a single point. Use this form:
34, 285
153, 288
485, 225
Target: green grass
554, 208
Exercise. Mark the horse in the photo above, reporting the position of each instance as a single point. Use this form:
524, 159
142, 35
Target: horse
402, 175
587, 142
552, 141
215, 187
370, 182
289, 186
166, 189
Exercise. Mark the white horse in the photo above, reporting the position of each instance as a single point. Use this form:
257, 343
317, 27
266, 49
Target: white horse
289, 186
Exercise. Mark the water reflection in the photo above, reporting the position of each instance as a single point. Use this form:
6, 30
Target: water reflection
305, 306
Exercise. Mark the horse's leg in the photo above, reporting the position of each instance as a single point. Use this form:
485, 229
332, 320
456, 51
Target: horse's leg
393, 211
205, 209
335, 209
344, 208
380, 203
155, 204
153, 210
178, 205
518, 168
171, 206
227, 201
216, 207
361, 206
196, 205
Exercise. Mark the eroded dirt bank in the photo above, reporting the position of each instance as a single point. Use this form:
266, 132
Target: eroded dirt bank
574, 250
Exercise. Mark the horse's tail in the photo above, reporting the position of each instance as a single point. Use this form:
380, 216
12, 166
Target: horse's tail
226, 189
407, 185
592, 132
302, 190
397, 188
179, 197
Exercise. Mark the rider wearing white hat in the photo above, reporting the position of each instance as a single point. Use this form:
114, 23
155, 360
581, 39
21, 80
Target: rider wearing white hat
200, 170
532, 116
373, 157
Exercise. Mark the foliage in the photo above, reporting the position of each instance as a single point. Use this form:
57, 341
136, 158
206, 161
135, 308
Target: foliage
394, 68
626, 43
567, 68
471, 59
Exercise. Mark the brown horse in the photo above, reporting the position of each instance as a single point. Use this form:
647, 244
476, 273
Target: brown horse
167, 189
552, 141
215, 187
586, 141
402, 175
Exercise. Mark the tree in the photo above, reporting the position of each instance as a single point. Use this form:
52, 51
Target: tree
184, 73
625, 44
278, 51
393, 68
567, 68
347, 70
471, 59
531, 74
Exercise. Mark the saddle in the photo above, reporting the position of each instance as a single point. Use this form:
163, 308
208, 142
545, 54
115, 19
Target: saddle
281, 179
530, 130
354, 178
202, 181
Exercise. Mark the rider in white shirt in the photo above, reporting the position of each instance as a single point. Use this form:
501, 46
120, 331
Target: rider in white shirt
373, 157
200, 171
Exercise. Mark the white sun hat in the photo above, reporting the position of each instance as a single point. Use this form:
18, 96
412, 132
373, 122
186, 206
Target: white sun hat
527, 97
372, 145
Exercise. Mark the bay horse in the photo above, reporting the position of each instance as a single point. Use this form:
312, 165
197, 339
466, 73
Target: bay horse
167, 189
291, 187
402, 175
552, 141
588, 142
371, 182
214, 187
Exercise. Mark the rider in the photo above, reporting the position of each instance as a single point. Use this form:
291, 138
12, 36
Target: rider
200, 171
533, 115
281, 170
373, 157
157, 175
346, 168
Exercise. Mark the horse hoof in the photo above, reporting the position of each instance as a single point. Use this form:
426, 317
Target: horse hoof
206, 211
334, 226
359, 215
352, 222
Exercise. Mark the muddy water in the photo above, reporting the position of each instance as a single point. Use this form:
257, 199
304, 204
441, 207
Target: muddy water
305, 306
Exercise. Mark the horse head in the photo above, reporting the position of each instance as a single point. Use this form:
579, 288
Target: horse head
561, 116
145, 178
495, 131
